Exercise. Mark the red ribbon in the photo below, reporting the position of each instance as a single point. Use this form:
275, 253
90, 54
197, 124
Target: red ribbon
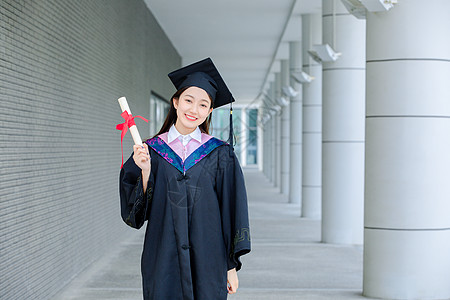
129, 121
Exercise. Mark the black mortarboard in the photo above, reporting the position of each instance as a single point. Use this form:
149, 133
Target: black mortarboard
203, 74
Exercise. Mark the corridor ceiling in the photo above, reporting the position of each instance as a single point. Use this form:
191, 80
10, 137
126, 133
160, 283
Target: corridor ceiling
245, 38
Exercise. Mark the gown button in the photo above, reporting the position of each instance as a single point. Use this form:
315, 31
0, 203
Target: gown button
185, 247
182, 177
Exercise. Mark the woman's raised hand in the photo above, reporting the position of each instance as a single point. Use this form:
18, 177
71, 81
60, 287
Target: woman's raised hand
141, 157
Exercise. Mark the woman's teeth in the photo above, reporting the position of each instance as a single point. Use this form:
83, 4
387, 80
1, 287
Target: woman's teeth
191, 118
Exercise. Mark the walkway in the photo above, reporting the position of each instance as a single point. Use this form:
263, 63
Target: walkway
287, 261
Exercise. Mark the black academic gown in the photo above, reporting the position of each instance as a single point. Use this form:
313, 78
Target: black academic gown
197, 220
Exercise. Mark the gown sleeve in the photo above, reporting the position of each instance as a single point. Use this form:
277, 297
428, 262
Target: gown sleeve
133, 203
234, 209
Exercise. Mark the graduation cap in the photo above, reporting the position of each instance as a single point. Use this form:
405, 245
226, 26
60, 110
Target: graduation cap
204, 74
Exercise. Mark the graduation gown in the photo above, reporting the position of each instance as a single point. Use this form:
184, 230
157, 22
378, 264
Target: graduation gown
197, 220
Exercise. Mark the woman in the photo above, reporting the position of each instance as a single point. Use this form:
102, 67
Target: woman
190, 188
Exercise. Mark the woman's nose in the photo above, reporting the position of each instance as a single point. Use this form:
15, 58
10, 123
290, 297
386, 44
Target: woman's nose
194, 109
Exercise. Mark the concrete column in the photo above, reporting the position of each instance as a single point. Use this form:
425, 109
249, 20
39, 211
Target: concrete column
268, 130
273, 143
312, 121
285, 132
260, 134
295, 180
266, 149
407, 190
343, 127
277, 90
244, 137
264, 141
273, 124
270, 147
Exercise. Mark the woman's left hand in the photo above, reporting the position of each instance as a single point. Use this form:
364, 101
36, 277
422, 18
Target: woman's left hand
233, 281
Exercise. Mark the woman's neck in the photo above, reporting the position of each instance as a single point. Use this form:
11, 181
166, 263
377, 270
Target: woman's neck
183, 130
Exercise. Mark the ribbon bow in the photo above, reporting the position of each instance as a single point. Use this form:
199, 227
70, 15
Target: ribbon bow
129, 121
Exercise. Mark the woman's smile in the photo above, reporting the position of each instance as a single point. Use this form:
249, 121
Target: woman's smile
190, 117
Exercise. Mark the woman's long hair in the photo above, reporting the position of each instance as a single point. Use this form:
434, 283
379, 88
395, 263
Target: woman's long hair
171, 117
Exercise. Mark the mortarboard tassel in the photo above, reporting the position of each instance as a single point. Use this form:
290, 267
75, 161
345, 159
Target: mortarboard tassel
231, 136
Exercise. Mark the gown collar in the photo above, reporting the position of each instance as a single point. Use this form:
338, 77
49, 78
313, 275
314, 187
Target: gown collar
167, 153
174, 134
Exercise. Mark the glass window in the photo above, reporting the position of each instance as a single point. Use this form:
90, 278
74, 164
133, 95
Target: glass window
158, 111
252, 136
220, 129
221, 126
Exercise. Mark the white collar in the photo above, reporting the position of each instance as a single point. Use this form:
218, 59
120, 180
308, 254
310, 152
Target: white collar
173, 134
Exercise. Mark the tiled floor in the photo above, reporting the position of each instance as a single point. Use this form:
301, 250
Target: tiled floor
287, 259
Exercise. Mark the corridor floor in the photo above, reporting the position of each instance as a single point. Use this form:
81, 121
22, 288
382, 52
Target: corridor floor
287, 261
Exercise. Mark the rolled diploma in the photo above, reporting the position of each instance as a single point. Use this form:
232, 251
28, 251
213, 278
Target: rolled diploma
133, 129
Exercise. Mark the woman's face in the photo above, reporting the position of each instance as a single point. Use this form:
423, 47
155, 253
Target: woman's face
193, 107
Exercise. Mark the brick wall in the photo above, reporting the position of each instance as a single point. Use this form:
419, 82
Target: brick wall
63, 64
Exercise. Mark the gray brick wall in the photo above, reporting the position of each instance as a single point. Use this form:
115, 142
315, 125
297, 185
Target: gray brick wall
63, 65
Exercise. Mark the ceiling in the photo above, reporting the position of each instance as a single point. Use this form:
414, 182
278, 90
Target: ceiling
244, 38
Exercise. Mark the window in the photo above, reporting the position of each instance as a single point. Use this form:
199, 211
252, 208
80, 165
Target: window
221, 125
158, 111
252, 136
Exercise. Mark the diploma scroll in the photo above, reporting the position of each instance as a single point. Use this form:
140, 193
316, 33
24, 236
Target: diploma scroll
133, 129
128, 124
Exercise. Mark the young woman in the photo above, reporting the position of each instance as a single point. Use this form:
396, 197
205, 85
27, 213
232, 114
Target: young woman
189, 186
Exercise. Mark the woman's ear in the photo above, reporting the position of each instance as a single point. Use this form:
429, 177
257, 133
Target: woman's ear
175, 103
210, 111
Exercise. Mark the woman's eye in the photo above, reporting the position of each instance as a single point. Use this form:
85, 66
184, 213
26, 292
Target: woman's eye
188, 100
203, 105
